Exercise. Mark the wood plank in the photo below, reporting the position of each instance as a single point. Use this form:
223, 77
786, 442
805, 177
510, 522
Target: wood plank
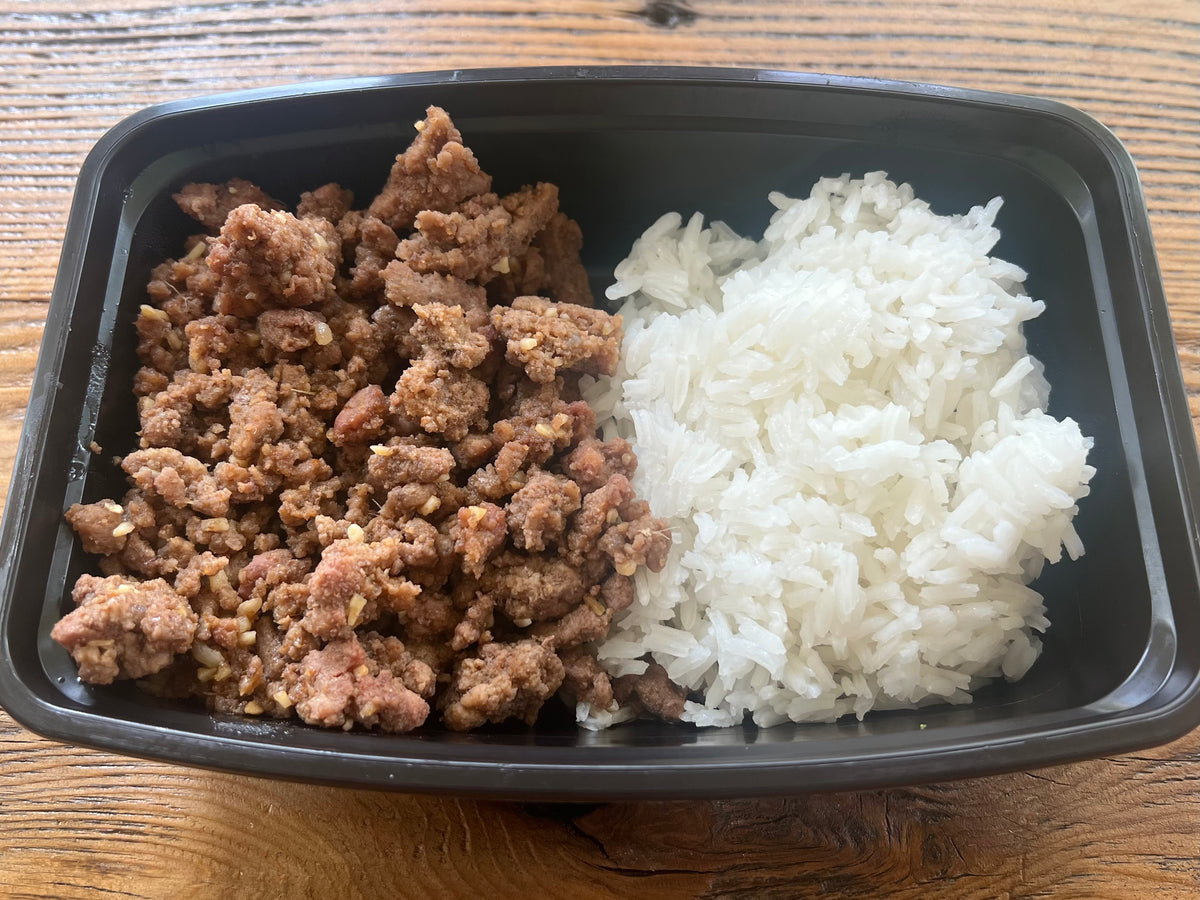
1114, 829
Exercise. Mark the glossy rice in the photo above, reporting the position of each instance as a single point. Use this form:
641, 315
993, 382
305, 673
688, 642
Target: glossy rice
848, 436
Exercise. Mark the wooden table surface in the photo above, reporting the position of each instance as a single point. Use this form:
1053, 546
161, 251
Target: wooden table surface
77, 823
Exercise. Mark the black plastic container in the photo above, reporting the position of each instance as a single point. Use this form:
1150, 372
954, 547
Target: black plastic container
1121, 661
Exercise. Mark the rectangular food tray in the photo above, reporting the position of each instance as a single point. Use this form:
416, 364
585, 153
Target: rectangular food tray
1121, 665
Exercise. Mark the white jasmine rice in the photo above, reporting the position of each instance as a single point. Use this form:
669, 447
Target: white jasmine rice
848, 437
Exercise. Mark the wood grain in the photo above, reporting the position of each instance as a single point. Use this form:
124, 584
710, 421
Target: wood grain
76, 823
83, 824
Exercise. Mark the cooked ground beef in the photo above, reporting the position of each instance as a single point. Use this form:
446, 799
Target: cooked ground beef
100, 526
583, 679
532, 587
653, 691
403, 461
435, 173
593, 462
272, 259
503, 681
447, 337
566, 279
124, 628
362, 418
365, 484
539, 511
404, 287
482, 531
342, 684
329, 201
443, 399
544, 337
211, 204
478, 241
375, 248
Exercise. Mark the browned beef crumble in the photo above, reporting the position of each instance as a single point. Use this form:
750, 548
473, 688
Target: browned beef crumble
365, 485
435, 173
653, 692
124, 628
479, 240
329, 201
503, 681
211, 204
544, 337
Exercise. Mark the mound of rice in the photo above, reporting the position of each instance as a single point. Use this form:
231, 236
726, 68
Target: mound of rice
849, 439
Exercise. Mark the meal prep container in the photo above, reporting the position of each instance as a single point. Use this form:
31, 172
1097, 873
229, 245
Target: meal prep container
1121, 659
